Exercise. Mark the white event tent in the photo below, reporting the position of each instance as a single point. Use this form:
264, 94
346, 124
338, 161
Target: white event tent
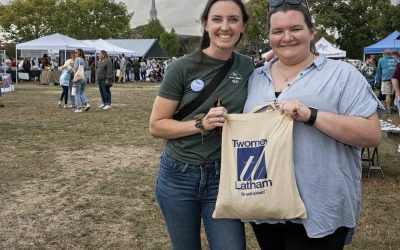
327, 49
53, 42
111, 49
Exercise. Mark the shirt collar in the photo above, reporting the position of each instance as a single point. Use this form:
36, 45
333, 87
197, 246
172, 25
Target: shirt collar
319, 63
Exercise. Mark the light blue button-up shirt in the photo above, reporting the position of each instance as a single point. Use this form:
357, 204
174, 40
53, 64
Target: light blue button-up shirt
328, 172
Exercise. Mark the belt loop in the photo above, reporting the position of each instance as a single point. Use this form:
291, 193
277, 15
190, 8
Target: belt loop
217, 167
185, 167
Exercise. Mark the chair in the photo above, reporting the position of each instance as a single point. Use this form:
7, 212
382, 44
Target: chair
373, 160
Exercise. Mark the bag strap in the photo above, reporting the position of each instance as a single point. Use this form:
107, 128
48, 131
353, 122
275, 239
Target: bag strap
206, 93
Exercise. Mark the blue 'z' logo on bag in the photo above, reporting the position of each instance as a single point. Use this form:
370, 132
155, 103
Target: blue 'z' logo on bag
251, 164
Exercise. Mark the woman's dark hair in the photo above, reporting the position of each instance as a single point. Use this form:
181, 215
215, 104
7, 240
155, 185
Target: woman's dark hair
81, 54
205, 40
300, 8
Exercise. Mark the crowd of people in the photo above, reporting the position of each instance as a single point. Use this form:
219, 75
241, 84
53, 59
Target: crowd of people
135, 69
381, 76
107, 71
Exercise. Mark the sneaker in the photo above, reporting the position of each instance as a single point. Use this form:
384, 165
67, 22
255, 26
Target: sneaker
100, 106
65, 106
87, 106
78, 111
59, 103
107, 107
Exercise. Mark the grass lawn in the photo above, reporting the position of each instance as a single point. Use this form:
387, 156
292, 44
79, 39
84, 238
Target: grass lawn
86, 180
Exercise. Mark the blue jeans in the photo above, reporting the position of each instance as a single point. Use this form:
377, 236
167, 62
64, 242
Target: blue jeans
186, 194
105, 92
80, 97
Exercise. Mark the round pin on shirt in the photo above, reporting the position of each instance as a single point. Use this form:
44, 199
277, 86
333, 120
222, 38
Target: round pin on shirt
197, 85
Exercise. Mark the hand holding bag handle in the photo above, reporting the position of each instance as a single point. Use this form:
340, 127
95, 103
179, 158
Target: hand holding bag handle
272, 106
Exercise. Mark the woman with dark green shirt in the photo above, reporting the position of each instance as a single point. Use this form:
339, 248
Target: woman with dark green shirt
188, 178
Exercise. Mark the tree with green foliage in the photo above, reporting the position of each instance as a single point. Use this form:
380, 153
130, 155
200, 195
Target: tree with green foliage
356, 24
255, 37
188, 44
24, 20
137, 32
170, 43
153, 30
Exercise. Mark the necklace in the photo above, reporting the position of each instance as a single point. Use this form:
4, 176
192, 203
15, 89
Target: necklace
287, 78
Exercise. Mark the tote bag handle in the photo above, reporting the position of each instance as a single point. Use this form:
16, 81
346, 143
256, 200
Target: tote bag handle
273, 106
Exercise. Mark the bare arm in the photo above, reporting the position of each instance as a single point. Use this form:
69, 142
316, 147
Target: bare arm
351, 130
163, 126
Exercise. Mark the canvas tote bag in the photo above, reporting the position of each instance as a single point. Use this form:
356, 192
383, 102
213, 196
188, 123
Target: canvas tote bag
257, 172
79, 74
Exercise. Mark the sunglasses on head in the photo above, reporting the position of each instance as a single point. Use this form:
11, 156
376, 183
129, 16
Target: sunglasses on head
277, 3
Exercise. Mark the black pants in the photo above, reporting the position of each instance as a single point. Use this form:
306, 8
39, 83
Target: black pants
137, 75
64, 94
292, 236
143, 75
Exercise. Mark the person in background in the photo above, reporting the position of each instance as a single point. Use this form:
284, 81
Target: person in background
384, 72
188, 177
65, 79
104, 75
92, 69
136, 69
81, 100
122, 68
369, 72
45, 61
331, 126
128, 70
70, 61
396, 87
7, 62
26, 65
143, 66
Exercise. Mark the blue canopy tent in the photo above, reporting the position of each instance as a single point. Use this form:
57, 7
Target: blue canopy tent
392, 41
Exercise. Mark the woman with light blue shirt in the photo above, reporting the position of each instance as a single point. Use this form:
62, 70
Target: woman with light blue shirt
81, 100
334, 113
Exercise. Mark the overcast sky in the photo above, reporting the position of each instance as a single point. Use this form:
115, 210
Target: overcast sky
178, 14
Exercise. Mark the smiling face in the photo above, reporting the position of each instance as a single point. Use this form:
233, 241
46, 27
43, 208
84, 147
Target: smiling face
224, 26
290, 38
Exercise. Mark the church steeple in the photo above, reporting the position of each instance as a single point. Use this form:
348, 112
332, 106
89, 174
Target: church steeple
153, 11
